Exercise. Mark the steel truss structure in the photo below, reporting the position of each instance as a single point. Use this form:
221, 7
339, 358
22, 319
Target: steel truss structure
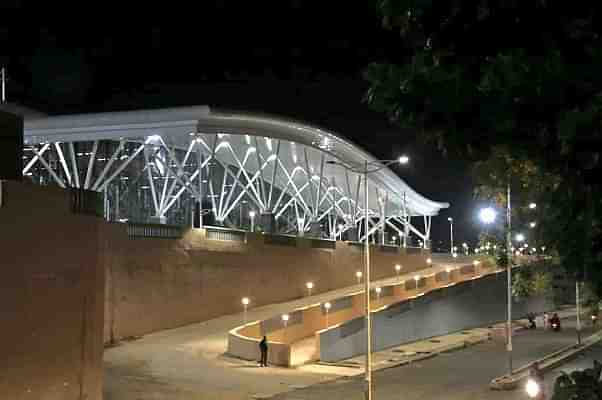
157, 165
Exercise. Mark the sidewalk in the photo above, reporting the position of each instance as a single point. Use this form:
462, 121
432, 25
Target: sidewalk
189, 362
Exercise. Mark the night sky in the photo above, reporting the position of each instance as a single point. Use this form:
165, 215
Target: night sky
291, 58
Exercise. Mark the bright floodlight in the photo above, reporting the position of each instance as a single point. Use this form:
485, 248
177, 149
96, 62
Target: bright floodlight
245, 301
519, 237
285, 317
404, 159
252, 214
532, 206
532, 388
487, 215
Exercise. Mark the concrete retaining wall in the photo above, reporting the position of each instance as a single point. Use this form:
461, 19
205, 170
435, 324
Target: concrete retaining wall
299, 342
461, 306
155, 284
51, 297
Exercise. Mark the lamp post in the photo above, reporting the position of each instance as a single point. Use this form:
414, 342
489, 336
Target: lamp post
397, 270
377, 166
245, 304
309, 286
488, 215
378, 290
252, 215
327, 306
358, 275
451, 234
285, 318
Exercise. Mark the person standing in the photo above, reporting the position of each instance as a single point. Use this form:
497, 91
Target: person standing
263, 348
546, 320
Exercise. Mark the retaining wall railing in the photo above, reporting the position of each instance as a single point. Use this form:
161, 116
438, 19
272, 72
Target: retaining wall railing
287, 344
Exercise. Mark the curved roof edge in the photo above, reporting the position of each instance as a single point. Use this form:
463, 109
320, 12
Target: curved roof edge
183, 120
310, 135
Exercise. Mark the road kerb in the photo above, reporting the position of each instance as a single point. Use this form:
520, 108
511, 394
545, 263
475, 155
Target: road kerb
546, 363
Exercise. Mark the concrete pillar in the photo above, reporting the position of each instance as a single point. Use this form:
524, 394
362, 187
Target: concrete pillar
351, 235
268, 222
157, 219
315, 230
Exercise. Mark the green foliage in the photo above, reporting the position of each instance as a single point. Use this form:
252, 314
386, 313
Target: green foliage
542, 283
525, 106
522, 283
529, 281
579, 385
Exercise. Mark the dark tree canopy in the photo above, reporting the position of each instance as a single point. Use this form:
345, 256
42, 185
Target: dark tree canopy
515, 86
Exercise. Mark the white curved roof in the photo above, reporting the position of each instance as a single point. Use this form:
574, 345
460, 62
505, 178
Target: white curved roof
175, 124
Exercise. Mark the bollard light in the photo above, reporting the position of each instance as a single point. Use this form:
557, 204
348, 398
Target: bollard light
245, 303
309, 286
327, 306
358, 275
429, 261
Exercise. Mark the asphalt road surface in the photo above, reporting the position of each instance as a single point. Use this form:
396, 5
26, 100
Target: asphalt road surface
463, 374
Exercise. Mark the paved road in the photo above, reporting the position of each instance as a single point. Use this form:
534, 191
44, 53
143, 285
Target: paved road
463, 374
584, 360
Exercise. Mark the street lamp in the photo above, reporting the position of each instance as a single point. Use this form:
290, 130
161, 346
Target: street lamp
309, 286
429, 261
378, 290
451, 234
252, 215
465, 246
532, 206
245, 304
327, 306
487, 215
285, 318
397, 269
519, 237
358, 275
376, 165
532, 224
